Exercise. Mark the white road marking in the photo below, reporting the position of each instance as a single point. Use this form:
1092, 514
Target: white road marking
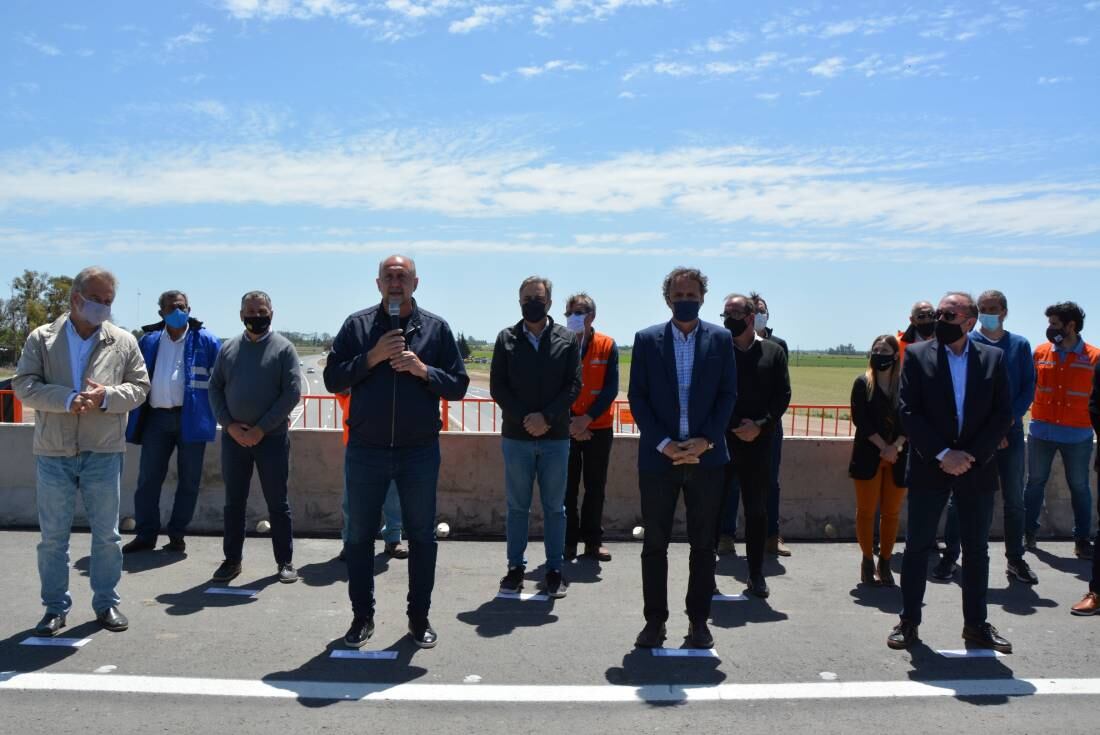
62, 642
600, 693
523, 596
231, 591
685, 652
729, 598
370, 655
970, 653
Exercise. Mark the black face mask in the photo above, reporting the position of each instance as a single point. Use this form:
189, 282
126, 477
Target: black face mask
948, 333
257, 324
534, 311
686, 311
926, 329
883, 362
1055, 335
737, 327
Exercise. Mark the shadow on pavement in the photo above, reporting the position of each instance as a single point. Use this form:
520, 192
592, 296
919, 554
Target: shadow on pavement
1018, 598
641, 668
1080, 568
196, 599
498, 616
15, 657
931, 668
886, 599
583, 570
322, 680
739, 614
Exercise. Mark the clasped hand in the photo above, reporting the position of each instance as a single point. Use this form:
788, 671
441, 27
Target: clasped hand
245, 435
686, 452
391, 347
88, 399
957, 462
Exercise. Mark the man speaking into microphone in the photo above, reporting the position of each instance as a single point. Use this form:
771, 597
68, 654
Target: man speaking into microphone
398, 360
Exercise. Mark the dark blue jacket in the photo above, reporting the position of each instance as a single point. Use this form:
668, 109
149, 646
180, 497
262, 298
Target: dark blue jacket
200, 349
390, 409
654, 393
1020, 364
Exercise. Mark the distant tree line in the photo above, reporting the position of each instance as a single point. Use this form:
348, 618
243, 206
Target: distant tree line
36, 298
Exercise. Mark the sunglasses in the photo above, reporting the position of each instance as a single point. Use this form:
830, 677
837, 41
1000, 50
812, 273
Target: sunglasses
925, 316
947, 315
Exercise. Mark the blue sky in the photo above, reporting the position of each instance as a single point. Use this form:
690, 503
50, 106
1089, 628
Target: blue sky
845, 159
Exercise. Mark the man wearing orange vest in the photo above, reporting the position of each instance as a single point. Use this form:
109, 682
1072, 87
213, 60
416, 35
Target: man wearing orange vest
1060, 421
922, 325
590, 430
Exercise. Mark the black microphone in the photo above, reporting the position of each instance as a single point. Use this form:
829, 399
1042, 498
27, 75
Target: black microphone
395, 313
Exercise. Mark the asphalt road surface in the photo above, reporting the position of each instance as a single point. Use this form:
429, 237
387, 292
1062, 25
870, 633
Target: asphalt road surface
812, 658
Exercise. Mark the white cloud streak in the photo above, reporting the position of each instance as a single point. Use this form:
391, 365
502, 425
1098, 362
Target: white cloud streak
483, 16
46, 49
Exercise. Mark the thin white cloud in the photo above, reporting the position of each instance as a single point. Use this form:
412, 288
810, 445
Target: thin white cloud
828, 68
1078, 40
198, 35
1045, 81
768, 96
625, 238
47, 49
536, 70
586, 11
483, 16
810, 93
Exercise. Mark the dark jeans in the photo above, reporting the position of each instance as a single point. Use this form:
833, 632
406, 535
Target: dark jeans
1010, 467
1075, 462
1094, 583
749, 471
702, 488
271, 458
733, 491
161, 436
368, 473
588, 459
975, 511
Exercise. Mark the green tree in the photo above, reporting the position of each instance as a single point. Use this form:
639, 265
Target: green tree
463, 347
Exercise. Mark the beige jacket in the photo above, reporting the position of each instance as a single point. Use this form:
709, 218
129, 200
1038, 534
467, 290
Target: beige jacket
43, 381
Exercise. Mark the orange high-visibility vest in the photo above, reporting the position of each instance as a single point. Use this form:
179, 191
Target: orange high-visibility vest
593, 375
344, 399
1062, 387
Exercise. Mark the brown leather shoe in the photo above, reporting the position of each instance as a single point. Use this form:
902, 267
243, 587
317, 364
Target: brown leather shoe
1089, 605
775, 545
397, 550
599, 552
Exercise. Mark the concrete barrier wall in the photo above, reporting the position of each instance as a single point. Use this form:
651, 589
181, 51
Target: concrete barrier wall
816, 488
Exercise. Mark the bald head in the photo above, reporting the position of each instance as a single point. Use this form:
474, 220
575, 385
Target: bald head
397, 260
397, 281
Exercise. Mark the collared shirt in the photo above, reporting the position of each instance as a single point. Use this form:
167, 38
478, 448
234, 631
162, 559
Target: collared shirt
957, 365
80, 351
1055, 432
533, 338
683, 346
168, 372
248, 335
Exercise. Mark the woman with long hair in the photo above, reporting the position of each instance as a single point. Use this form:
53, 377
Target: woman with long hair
878, 457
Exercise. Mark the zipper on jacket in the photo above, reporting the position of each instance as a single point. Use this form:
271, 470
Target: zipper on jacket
393, 411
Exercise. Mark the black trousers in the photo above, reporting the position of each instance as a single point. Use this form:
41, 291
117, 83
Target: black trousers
702, 489
1094, 585
587, 460
752, 463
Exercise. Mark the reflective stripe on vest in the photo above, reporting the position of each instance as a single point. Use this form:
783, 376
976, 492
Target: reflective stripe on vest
1062, 387
593, 375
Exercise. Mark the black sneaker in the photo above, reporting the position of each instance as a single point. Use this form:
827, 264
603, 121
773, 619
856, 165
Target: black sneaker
556, 586
362, 628
512, 582
903, 636
1019, 569
944, 571
287, 574
986, 636
422, 634
758, 587
570, 552
1029, 542
227, 571
652, 636
699, 635
139, 544
1082, 548
176, 544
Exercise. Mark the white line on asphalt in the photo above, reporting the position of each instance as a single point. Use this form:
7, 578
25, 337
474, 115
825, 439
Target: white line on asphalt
602, 693
380, 655
62, 642
231, 591
685, 652
970, 653
523, 596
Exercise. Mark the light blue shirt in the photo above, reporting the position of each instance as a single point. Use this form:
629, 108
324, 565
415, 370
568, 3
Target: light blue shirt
683, 347
1047, 431
533, 338
80, 351
957, 365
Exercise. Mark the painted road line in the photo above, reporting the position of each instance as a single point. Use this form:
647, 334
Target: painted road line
685, 652
729, 598
600, 693
231, 591
62, 642
375, 655
970, 653
523, 596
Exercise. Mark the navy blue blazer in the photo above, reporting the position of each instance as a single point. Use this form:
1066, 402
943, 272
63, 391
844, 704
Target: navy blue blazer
927, 405
654, 393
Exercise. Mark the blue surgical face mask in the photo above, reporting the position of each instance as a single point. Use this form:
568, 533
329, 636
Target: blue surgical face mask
177, 319
685, 311
93, 312
992, 322
575, 322
761, 322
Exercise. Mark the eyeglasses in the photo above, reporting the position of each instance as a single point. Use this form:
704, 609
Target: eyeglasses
947, 315
734, 314
925, 316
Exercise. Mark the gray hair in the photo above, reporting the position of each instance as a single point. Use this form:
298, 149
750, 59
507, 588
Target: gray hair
995, 295
171, 296
692, 273
257, 295
583, 298
536, 279
89, 273
972, 309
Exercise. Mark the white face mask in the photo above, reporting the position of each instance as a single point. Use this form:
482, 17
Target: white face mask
94, 313
761, 323
575, 322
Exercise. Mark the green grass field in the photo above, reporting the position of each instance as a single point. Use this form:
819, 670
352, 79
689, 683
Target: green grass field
816, 379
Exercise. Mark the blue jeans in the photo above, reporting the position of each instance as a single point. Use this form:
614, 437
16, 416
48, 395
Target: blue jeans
97, 477
975, 509
271, 459
1075, 459
1010, 467
548, 460
391, 513
733, 492
368, 473
160, 436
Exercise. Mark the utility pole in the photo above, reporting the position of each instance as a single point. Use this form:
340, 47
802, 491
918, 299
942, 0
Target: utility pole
138, 307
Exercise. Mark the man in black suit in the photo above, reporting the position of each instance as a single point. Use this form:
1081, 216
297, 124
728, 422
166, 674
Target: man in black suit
956, 408
683, 385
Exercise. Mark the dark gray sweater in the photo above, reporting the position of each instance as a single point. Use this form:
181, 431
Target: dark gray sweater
256, 383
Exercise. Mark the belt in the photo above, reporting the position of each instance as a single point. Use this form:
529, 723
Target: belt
173, 409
